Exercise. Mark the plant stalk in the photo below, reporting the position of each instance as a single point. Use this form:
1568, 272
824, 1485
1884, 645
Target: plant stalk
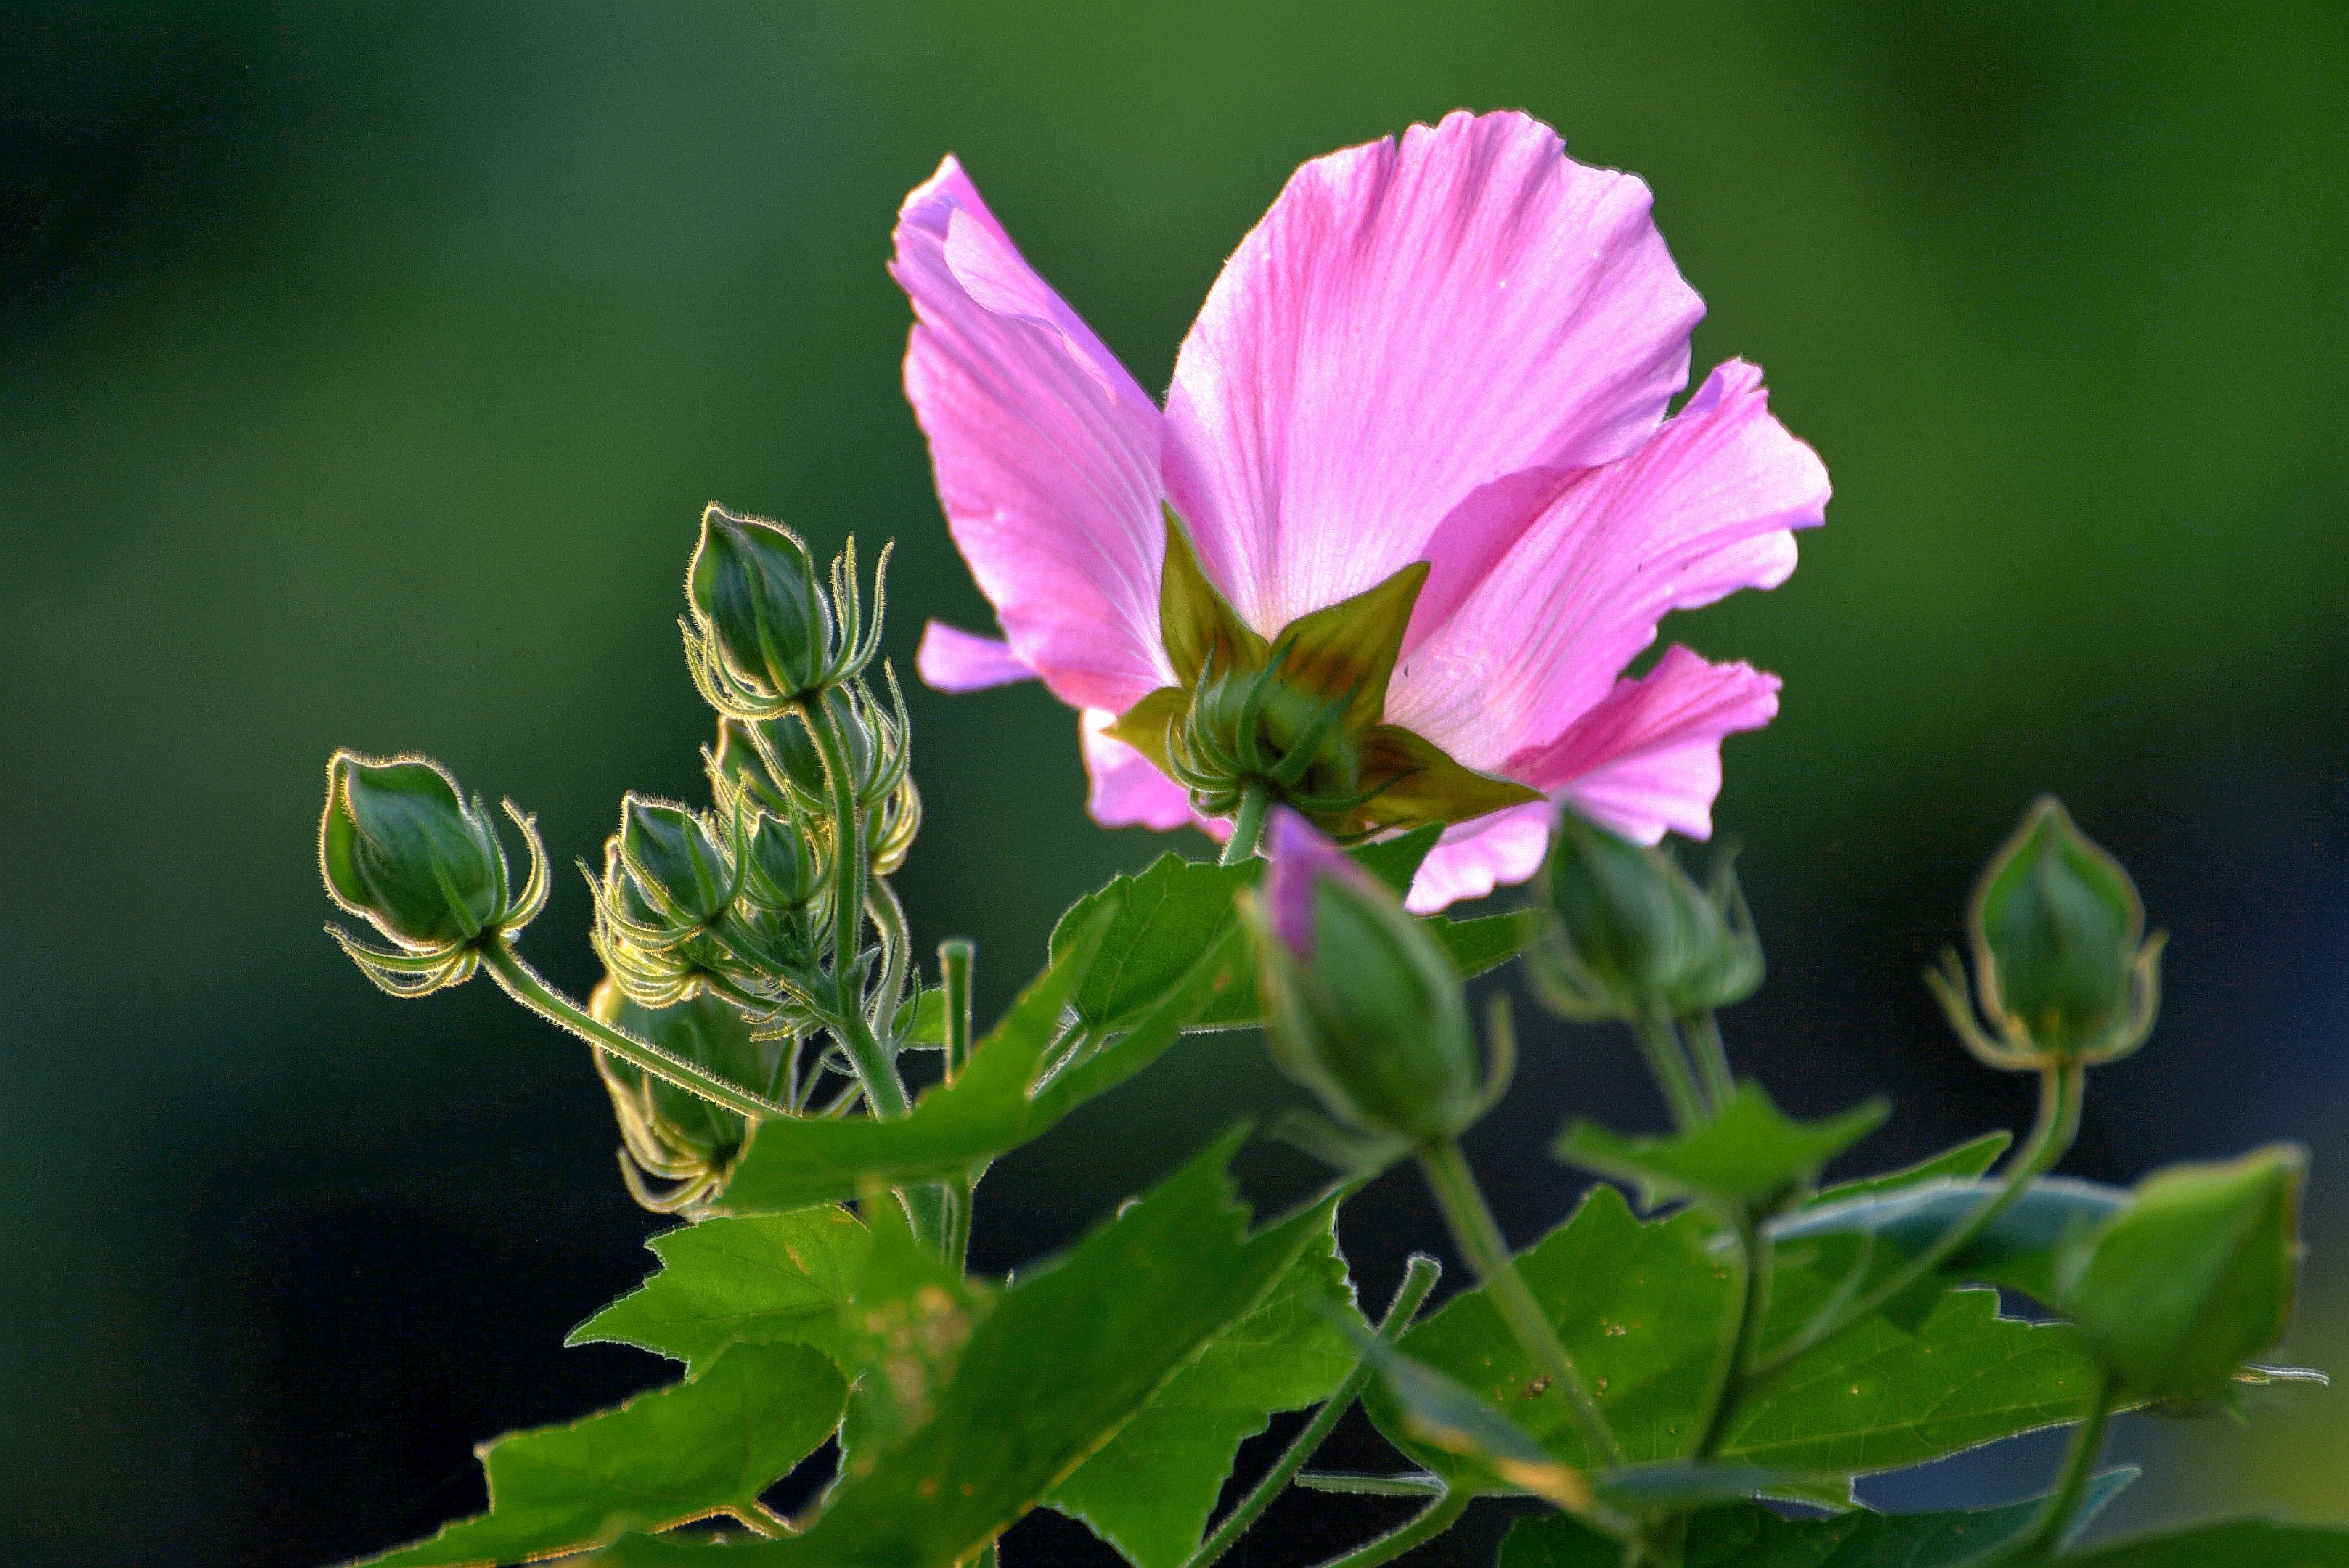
1661, 1046
1712, 1060
1420, 1528
1419, 1277
1753, 1300
1480, 1239
1248, 825
2071, 1480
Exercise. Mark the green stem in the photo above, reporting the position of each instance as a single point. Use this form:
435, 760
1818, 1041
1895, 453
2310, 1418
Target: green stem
523, 984
1480, 1239
2060, 1089
2072, 1484
1662, 1048
896, 952
1745, 1328
1420, 1528
1419, 1277
1247, 827
955, 957
1712, 1059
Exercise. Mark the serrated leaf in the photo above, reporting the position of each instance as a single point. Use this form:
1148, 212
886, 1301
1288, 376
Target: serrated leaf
1441, 1412
994, 1105
2018, 1250
1745, 1536
1066, 1357
762, 1279
1169, 912
1751, 1153
1642, 1307
1149, 1490
1967, 1160
706, 1446
2235, 1543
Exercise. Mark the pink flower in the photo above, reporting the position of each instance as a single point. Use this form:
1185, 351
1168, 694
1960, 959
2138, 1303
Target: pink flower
1458, 350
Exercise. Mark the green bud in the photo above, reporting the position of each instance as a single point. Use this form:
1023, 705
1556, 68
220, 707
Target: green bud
762, 636
1366, 1010
2174, 1294
669, 1134
738, 771
784, 872
676, 862
400, 847
2061, 964
1634, 937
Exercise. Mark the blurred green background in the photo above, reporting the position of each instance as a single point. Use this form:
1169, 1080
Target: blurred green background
365, 370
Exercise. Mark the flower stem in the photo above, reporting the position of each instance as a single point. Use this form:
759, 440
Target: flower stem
1420, 1528
2072, 1482
1480, 1239
1712, 1059
1248, 825
955, 957
1419, 1277
1661, 1046
1745, 1328
523, 984
2060, 1089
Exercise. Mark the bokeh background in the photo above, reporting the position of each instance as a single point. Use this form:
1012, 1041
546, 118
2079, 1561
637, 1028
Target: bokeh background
362, 370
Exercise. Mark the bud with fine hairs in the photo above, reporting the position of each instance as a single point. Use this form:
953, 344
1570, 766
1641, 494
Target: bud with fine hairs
400, 847
2063, 967
1366, 1010
1633, 936
764, 635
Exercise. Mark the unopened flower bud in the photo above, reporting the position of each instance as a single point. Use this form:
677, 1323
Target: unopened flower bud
763, 634
738, 771
1366, 1010
2061, 964
676, 862
400, 846
1634, 935
2174, 1294
784, 872
670, 1134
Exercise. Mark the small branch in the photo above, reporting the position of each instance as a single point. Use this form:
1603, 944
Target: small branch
1419, 1277
1753, 1300
1438, 1517
2071, 1482
1661, 1046
1712, 1060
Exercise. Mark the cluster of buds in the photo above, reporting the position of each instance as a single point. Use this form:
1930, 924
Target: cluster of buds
2062, 967
400, 847
1633, 938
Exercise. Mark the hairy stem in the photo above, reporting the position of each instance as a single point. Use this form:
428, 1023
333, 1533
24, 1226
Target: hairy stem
1420, 1528
955, 957
1480, 1239
1248, 825
2060, 1089
1712, 1059
2071, 1480
1661, 1046
1419, 1277
523, 984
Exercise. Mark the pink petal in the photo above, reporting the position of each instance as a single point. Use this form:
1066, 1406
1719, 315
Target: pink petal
1477, 857
1128, 789
1409, 323
1046, 450
1707, 507
1647, 758
953, 659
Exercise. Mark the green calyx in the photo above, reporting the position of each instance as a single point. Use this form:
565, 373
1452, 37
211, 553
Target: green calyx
669, 1135
2063, 967
401, 848
1635, 938
1294, 721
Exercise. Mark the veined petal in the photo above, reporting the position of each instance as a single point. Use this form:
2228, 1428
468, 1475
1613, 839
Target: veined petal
1648, 759
1409, 323
1707, 507
1046, 450
1126, 790
1477, 857
953, 659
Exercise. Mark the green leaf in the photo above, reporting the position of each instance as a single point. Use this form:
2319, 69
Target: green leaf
1751, 1153
1745, 1536
761, 1278
1967, 1160
706, 1446
922, 1020
1443, 1413
1643, 1308
994, 1105
2018, 1250
1066, 1358
1173, 911
1149, 1490
2237, 1543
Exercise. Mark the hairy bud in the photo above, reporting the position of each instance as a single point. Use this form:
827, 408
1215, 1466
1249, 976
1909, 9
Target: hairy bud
2060, 964
2174, 1294
669, 1134
764, 635
1367, 1011
400, 847
1634, 937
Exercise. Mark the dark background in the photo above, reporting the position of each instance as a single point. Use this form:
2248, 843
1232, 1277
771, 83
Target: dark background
363, 372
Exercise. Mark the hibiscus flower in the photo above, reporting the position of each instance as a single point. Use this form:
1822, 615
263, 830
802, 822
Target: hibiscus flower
1411, 507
